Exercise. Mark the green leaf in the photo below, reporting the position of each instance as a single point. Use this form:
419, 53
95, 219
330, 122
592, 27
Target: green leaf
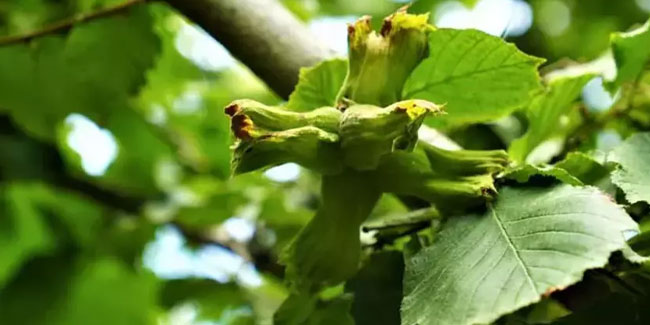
633, 174
377, 290
295, 309
578, 168
214, 200
479, 77
81, 217
544, 116
212, 299
124, 238
83, 72
631, 52
639, 105
32, 214
107, 292
61, 290
531, 242
309, 310
41, 284
641, 242
23, 232
319, 85
523, 173
336, 311
584, 167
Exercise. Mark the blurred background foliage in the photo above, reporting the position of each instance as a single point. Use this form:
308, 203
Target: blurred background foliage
117, 206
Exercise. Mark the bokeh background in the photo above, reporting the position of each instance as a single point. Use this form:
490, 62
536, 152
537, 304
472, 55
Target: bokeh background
116, 205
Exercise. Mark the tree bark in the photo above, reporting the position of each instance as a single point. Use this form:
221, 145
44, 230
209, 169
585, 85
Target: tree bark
262, 34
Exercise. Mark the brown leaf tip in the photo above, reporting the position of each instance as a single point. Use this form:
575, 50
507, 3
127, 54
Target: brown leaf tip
488, 192
241, 126
231, 109
387, 26
352, 28
350, 31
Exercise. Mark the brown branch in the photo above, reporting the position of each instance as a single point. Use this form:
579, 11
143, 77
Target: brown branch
592, 122
65, 25
262, 258
264, 35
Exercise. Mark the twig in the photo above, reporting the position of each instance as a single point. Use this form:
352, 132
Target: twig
389, 229
593, 121
263, 259
64, 25
409, 220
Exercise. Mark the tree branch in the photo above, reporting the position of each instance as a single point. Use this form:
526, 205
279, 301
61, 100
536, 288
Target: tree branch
54, 171
65, 25
262, 34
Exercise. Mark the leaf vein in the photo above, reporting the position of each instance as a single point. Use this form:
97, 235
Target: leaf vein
465, 75
512, 246
561, 232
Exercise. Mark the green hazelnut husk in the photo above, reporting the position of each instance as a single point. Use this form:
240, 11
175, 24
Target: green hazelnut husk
380, 62
368, 132
411, 174
307, 146
274, 118
465, 162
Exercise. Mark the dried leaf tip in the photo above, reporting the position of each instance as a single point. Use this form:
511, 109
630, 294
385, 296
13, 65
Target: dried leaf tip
358, 31
241, 126
401, 20
231, 109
